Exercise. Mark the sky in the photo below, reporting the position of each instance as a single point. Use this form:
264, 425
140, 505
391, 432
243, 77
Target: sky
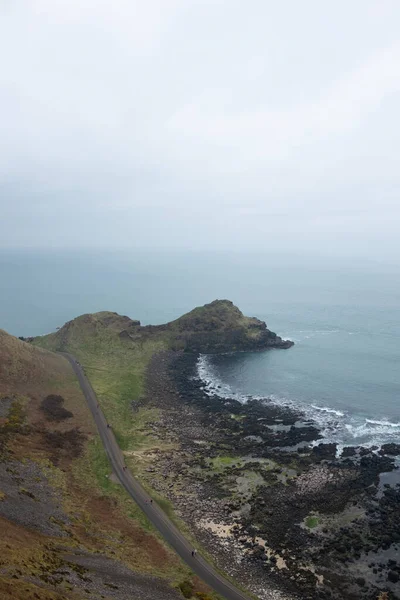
201, 124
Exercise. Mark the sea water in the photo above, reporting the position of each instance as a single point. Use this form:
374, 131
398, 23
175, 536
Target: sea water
343, 371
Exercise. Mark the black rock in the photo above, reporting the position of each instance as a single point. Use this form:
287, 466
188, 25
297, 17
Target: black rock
392, 449
349, 451
393, 576
326, 451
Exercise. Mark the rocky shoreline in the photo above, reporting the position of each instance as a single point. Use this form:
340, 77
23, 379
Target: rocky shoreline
269, 501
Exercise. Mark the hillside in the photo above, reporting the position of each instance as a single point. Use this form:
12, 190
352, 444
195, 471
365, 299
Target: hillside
215, 327
116, 350
68, 531
26, 368
221, 327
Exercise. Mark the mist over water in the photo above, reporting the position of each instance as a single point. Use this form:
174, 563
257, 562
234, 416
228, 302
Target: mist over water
344, 319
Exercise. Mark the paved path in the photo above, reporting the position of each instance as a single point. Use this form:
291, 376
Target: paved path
154, 513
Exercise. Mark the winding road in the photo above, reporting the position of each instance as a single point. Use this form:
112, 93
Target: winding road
153, 512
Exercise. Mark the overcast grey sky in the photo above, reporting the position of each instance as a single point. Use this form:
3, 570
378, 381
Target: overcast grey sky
201, 123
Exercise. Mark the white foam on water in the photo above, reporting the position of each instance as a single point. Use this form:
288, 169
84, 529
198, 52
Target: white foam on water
336, 426
307, 334
383, 429
385, 423
332, 411
212, 383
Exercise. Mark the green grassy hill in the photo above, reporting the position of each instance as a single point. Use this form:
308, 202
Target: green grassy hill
115, 363
115, 350
216, 327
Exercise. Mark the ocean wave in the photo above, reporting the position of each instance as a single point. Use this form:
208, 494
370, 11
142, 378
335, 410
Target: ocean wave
385, 423
332, 411
371, 434
212, 383
335, 425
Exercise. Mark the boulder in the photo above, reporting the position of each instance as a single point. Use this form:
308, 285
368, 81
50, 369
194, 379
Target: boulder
391, 449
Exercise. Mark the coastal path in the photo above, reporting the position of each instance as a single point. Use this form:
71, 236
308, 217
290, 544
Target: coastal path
153, 512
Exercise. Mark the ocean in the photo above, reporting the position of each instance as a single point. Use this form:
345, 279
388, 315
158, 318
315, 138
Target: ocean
344, 317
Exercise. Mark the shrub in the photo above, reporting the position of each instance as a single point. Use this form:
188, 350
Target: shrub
186, 588
68, 443
312, 522
53, 408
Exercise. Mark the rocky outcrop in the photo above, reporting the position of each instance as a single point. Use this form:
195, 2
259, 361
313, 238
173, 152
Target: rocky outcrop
221, 327
392, 449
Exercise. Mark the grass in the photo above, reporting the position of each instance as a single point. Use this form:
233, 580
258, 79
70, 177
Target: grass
140, 430
238, 417
12, 589
116, 369
94, 469
312, 521
219, 463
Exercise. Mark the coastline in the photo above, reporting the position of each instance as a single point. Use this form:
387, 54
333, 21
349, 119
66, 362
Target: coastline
275, 512
337, 425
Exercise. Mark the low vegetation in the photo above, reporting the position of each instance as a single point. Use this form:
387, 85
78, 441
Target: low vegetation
115, 351
115, 365
186, 588
312, 522
57, 468
68, 444
53, 408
